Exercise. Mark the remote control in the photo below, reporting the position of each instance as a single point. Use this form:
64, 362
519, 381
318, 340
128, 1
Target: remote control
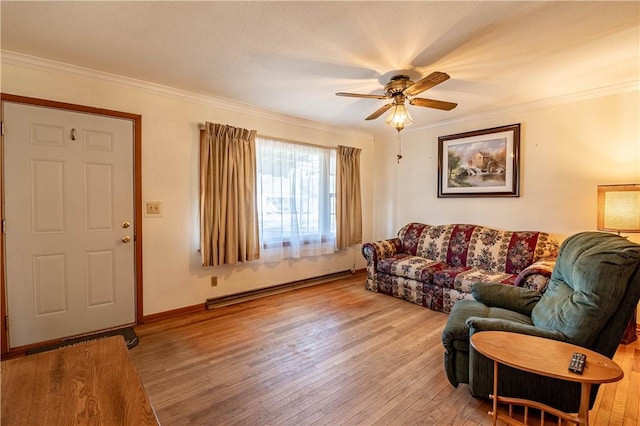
577, 363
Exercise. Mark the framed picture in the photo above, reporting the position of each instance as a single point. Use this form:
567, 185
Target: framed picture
482, 163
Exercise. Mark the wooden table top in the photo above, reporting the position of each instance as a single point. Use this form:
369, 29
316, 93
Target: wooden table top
546, 357
88, 383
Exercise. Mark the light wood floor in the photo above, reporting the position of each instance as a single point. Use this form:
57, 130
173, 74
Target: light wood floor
332, 354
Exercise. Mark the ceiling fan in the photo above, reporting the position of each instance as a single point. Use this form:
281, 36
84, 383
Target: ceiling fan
401, 88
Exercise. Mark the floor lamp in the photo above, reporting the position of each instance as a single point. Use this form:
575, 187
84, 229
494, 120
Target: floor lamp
619, 211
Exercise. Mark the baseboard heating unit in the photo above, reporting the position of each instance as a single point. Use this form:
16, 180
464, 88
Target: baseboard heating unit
217, 302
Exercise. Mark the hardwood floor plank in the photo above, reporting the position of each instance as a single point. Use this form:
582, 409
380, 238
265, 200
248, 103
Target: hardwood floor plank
632, 408
331, 354
603, 414
391, 404
625, 360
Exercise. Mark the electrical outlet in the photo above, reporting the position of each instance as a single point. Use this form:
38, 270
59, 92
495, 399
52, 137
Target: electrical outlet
214, 281
154, 208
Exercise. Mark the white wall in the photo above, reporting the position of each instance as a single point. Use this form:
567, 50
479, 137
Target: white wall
566, 151
173, 276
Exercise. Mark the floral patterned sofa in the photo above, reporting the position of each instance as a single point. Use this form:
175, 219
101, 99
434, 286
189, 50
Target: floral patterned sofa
435, 266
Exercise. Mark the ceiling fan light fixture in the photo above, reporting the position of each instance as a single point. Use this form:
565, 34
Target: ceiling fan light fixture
398, 117
399, 89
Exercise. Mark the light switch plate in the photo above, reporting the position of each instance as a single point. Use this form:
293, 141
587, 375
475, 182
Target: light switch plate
153, 209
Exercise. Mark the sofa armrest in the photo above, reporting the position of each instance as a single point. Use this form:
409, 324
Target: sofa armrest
521, 300
477, 324
377, 250
536, 276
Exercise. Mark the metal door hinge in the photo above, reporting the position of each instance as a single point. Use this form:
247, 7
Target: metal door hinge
2, 131
4, 226
6, 322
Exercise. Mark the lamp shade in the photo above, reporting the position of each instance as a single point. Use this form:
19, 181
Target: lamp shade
398, 117
619, 208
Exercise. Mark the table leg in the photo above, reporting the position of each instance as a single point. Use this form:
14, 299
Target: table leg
495, 393
583, 413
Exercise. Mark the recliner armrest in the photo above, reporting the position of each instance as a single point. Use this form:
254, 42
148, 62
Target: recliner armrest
521, 300
497, 324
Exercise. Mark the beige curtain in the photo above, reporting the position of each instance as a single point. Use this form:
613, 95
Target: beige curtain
228, 211
348, 198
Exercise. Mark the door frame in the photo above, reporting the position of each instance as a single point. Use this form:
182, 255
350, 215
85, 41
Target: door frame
137, 191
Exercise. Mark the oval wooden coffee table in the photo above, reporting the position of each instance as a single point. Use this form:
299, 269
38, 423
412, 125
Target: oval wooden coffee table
524, 353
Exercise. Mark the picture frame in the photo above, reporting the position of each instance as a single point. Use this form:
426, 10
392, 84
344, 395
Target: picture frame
481, 163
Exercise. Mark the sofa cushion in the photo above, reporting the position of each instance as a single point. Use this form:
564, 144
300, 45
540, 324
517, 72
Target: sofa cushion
463, 278
413, 267
504, 251
586, 285
446, 278
444, 243
458, 246
410, 235
434, 242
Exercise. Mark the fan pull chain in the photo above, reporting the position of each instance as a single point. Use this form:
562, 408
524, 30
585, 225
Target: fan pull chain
399, 155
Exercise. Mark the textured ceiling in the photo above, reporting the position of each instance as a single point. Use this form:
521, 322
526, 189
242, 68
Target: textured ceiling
291, 57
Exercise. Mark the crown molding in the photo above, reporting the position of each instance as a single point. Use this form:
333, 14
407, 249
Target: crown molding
47, 65
631, 86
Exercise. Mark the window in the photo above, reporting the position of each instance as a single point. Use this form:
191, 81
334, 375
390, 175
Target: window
296, 198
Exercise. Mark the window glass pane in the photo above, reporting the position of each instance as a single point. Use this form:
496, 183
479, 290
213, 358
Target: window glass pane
296, 197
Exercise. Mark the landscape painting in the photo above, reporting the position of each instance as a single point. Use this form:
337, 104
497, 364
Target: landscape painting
482, 163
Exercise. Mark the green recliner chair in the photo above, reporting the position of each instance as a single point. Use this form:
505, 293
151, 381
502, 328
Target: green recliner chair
590, 298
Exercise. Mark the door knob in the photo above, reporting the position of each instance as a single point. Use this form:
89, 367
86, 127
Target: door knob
125, 224
126, 239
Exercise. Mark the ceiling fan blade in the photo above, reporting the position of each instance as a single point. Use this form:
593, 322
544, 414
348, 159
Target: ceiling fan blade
431, 103
426, 83
359, 95
379, 112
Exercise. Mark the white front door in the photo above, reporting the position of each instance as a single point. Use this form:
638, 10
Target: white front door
69, 208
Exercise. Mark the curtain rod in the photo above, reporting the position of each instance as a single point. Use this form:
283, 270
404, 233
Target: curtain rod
297, 142
204, 126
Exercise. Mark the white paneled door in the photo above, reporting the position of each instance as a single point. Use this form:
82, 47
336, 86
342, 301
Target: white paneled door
69, 209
